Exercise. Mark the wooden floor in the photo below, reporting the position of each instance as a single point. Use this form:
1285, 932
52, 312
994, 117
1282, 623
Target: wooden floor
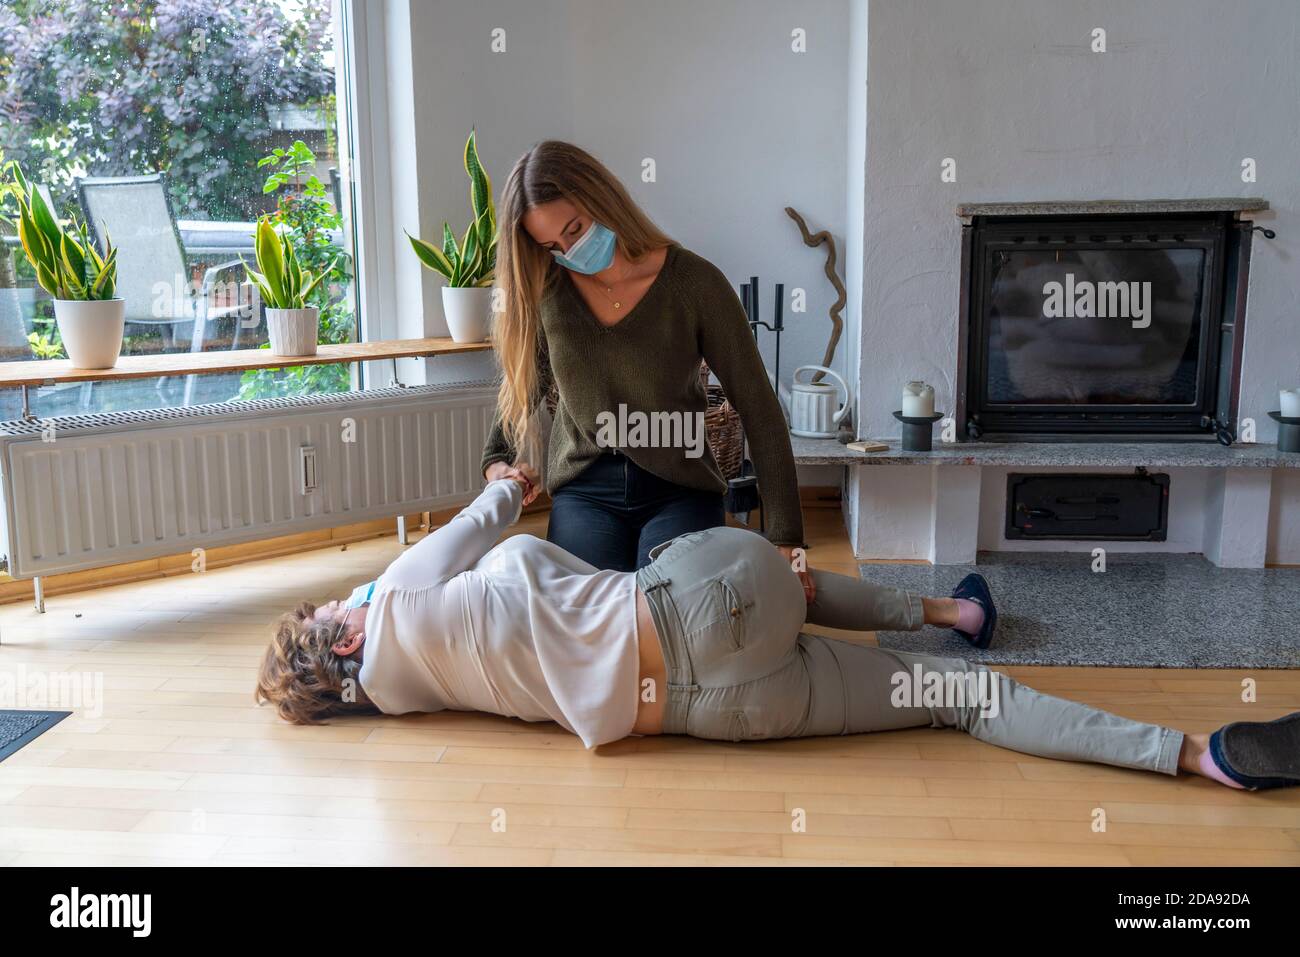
179, 766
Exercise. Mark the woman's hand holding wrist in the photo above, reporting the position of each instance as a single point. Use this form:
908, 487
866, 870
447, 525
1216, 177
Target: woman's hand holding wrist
523, 473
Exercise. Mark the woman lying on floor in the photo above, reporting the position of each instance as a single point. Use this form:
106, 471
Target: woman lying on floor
703, 641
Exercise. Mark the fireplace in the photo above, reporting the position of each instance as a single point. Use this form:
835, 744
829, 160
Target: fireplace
1089, 326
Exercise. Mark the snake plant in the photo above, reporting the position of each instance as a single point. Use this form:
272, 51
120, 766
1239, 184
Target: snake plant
67, 264
282, 283
472, 262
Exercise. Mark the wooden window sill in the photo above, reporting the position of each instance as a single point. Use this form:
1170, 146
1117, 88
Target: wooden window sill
45, 372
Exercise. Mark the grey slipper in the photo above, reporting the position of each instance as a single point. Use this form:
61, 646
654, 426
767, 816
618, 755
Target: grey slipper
1259, 754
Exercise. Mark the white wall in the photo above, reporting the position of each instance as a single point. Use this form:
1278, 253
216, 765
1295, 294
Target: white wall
1011, 90
1284, 518
737, 124
856, 198
444, 80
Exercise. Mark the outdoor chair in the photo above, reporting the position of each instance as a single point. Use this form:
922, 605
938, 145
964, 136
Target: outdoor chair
152, 267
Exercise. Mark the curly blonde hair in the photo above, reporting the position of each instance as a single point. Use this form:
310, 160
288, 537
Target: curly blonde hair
302, 676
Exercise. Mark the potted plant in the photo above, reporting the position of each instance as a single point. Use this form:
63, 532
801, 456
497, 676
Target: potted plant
469, 267
284, 286
81, 278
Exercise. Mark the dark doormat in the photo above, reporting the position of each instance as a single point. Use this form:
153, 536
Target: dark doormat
20, 727
1143, 611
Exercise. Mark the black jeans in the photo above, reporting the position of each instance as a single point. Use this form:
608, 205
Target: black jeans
615, 512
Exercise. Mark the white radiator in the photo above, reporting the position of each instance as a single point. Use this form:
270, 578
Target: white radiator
126, 486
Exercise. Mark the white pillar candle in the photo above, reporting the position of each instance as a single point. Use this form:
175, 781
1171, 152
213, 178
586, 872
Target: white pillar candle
1290, 403
918, 400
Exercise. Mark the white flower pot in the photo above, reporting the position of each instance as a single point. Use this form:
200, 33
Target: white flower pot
91, 330
293, 332
468, 310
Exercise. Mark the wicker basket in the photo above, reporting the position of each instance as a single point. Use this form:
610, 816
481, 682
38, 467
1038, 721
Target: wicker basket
722, 428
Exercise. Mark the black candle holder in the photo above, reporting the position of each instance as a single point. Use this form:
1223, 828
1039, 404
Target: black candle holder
918, 431
1288, 432
749, 300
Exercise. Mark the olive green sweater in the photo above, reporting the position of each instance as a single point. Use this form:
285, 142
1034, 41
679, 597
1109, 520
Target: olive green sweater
649, 363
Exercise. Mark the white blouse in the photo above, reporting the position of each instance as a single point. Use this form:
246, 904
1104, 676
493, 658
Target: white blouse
523, 629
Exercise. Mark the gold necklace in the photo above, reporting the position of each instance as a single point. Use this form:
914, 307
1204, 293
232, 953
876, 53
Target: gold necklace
617, 304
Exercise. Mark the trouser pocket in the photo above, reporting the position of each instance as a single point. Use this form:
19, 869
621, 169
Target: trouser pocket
715, 630
774, 706
717, 721
735, 610
737, 603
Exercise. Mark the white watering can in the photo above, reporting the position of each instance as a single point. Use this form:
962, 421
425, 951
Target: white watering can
813, 412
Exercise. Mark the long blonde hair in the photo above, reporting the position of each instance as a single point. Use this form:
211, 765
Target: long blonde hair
525, 271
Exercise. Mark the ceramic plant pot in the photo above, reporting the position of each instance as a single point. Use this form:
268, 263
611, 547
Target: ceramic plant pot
293, 332
91, 330
468, 311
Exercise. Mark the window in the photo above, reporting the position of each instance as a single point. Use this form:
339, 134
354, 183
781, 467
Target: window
175, 125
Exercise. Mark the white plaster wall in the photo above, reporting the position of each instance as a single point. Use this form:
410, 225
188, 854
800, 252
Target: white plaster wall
856, 198
455, 83
893, 511
739, 127
1012, 92
1284, 518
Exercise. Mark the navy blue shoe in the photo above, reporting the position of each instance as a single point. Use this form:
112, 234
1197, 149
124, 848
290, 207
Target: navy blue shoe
1259, 754
974, 588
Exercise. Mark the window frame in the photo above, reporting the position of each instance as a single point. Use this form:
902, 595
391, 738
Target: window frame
362, 80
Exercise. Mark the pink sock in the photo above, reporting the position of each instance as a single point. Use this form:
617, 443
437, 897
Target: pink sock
970, 616
1211, 770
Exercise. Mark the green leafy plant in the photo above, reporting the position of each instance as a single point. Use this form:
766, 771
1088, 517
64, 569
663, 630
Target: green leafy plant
291, 167
282, 282
306, 214
67, 264
181, 86
43, 348
473, 261
8, 190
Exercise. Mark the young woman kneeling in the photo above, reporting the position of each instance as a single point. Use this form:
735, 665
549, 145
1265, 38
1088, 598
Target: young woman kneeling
703, 641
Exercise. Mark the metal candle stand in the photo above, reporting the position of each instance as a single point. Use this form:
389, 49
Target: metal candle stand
1288, 432
749, 299
918, 431
742, 491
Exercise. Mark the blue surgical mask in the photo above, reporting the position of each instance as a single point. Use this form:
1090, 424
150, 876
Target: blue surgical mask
360, 595
591, 254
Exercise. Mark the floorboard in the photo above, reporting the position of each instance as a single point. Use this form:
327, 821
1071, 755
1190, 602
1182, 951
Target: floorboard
176, 765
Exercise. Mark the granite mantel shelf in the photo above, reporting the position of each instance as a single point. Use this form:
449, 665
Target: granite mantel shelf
1053, 454
1114, 207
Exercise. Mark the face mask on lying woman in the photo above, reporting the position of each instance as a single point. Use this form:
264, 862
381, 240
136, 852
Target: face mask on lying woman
360, 595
